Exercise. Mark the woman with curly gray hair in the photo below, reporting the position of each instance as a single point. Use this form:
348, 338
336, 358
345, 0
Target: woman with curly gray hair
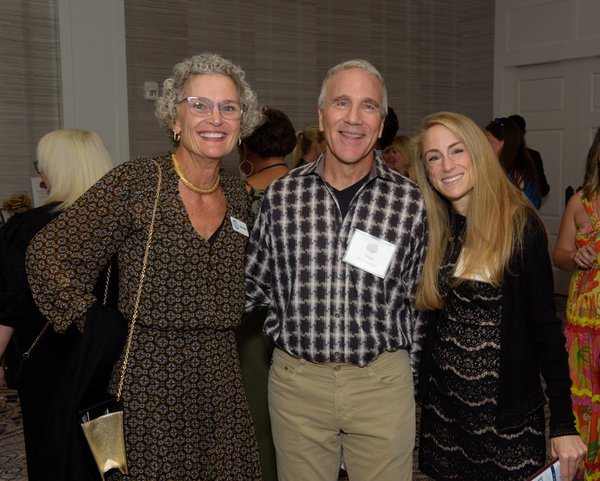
185, 411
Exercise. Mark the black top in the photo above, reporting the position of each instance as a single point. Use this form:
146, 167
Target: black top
17, 308
531, 339
539, 167
345, 196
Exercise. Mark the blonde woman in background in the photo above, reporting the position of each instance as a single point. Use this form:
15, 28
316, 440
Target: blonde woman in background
398, 156
310, 143
69, 162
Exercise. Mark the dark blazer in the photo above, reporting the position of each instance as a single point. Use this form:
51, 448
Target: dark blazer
539, 168
531, 341
64, 372
18, 310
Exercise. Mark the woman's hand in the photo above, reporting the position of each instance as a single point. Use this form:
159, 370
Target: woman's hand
570, 451
566, 254
584, 257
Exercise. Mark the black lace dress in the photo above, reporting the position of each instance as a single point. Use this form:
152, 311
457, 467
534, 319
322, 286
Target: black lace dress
459, 440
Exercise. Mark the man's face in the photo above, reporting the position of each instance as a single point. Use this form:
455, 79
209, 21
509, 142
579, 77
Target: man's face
351, 120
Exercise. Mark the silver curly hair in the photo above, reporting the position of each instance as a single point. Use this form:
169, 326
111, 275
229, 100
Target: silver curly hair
207, 64
355, 63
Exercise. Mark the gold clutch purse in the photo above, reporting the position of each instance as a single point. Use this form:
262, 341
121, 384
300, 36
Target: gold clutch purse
105, 436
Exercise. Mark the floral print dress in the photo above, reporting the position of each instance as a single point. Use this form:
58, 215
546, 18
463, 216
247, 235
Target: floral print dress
582, 330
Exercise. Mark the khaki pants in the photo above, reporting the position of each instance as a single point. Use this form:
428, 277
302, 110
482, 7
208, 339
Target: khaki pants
320, 412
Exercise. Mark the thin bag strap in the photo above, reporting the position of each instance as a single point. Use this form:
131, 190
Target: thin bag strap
37, 339
142, 274
108, 271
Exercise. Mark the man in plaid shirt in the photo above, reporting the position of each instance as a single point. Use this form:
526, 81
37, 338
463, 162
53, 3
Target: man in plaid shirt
336, 254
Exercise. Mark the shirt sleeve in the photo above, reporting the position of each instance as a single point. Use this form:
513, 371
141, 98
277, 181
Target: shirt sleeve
65, 258
419, 239
258, 262
545, 327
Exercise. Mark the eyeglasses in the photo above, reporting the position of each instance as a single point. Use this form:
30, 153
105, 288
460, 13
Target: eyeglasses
36, 164
202, 107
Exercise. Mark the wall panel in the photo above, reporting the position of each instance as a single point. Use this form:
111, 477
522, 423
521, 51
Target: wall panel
434, 54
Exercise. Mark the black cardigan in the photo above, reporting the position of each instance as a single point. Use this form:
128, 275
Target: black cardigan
531, 341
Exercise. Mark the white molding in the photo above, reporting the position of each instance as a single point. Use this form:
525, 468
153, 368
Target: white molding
94, 70
530, 32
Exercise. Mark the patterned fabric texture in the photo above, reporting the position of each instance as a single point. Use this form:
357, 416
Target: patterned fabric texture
186, 415
255, 197
458, 435
321, 308
582, 330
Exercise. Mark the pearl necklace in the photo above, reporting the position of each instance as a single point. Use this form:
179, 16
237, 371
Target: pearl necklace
189, 185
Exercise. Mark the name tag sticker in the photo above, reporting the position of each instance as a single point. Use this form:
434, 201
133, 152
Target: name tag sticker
239, 226
369, 253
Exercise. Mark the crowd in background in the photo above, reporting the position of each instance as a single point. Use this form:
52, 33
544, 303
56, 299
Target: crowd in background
288, 320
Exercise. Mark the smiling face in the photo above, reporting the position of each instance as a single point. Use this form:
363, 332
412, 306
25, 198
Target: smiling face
449, 166
212, 136
351, 120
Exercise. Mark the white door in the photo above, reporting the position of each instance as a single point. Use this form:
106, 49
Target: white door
561, 104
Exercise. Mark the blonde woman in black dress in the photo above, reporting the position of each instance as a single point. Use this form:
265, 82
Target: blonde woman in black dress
488, 282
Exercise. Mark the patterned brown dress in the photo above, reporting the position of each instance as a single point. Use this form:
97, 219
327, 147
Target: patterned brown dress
186, 415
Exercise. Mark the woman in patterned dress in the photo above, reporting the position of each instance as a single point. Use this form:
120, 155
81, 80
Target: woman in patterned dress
577, 248
487, 281
186, 416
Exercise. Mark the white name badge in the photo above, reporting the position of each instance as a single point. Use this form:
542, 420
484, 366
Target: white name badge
239, 226
369, 253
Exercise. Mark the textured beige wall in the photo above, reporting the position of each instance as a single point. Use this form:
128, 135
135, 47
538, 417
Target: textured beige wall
30, 88
434, 54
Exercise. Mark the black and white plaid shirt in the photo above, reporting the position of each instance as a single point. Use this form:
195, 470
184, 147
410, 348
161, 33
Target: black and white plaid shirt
319, 307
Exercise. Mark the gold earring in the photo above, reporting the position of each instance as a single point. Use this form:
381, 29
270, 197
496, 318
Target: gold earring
242, 173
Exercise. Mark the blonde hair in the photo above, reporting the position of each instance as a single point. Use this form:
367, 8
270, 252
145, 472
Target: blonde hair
305, 138
72, 160
402, 144
496, 214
